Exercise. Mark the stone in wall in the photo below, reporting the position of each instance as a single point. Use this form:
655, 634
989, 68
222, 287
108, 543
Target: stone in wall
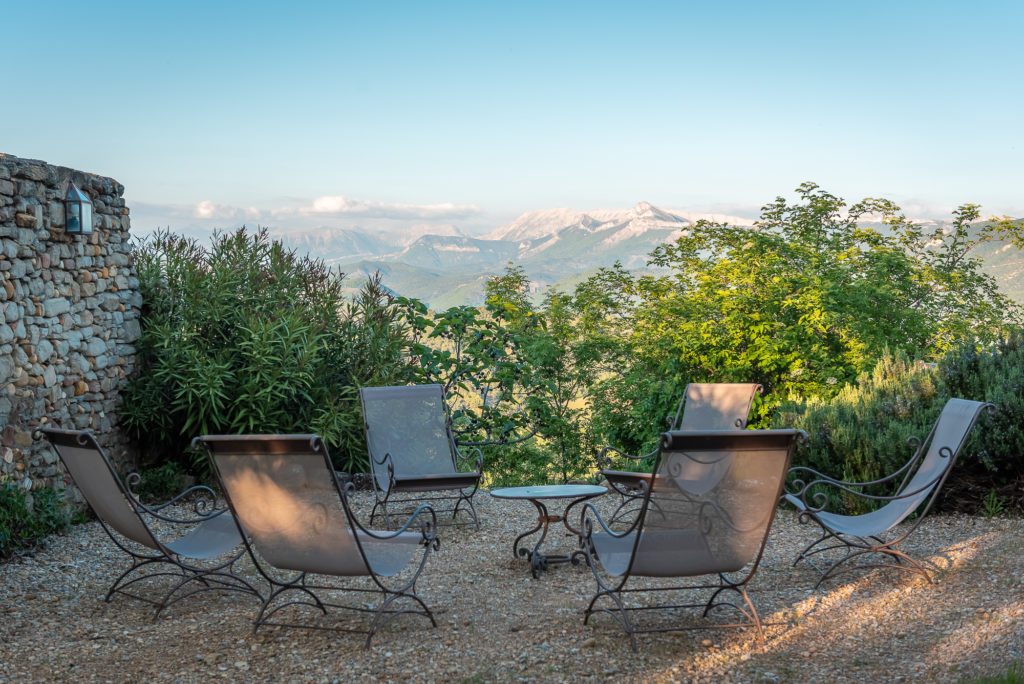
69, 317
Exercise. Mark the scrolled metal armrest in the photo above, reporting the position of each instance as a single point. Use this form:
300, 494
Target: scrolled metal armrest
605, 463
428, 528
587, 528
821, 499
476, 455
204, 506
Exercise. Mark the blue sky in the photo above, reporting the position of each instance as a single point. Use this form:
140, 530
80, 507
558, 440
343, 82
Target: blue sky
470, 113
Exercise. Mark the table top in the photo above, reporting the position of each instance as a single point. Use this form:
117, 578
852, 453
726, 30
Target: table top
549, 492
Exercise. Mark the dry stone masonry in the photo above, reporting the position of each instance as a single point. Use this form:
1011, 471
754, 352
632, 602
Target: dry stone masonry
69, 316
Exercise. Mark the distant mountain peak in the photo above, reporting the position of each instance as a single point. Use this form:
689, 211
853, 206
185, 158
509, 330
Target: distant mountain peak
642, 208
536, 224
648, 212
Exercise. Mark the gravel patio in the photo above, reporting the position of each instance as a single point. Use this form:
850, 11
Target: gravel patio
497, 623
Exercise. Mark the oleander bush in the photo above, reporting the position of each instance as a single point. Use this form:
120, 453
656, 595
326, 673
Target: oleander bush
244, 336
23, 525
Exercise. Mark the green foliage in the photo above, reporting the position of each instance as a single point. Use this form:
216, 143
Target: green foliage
161, 483
23, 527
993, 505
994, 455
516, 465
860, 434
803, 303
993, 373
1014, 674
564, 363
514, 372
476, 358
246, 337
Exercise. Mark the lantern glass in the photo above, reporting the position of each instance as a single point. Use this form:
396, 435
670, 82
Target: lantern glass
78, 211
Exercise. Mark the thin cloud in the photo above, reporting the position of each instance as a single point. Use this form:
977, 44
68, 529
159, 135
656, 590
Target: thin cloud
339, 205
210, 210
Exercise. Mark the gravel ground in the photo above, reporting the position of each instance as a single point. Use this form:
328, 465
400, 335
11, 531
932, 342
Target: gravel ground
497, 623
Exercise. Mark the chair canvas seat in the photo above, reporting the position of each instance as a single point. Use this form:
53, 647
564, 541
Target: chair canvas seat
201, 559
209, 539
690, 527
868, 524
284, 493
412, 450
660, 553
435, 481
920, 481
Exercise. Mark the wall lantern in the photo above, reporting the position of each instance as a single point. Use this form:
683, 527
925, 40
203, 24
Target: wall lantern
78, 211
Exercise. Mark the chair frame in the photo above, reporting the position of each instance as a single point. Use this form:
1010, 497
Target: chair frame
464, 484
591, 521
630, 485
151, 550
298, 582
855, 546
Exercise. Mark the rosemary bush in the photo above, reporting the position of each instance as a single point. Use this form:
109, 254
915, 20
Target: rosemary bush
861, 434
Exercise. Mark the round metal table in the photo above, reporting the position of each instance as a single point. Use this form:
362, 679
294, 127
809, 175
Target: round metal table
536, 495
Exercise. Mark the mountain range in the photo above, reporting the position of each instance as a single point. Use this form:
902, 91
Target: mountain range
443, 266
447, 267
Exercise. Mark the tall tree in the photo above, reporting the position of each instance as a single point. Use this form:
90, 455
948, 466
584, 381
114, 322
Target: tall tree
801, 302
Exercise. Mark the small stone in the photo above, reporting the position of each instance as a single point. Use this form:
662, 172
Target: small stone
25, 220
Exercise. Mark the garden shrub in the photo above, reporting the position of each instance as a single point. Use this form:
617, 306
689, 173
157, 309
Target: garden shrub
246, 337
24, 526
161, 483
516, 465
992, 464
861, 434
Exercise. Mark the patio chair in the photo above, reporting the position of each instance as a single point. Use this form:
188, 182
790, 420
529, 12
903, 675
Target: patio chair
719, 531
412, 450
704, 406
203, 551
919, 482
283, 492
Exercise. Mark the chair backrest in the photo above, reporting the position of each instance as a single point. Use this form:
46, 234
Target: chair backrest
712, 406
96, 478
283, 491
409, 423
715, 406
688, 531
944, 443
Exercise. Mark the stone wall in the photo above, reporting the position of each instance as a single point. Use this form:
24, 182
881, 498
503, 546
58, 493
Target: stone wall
69, 316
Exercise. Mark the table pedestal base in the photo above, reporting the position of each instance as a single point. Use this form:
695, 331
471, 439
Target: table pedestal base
539, 562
